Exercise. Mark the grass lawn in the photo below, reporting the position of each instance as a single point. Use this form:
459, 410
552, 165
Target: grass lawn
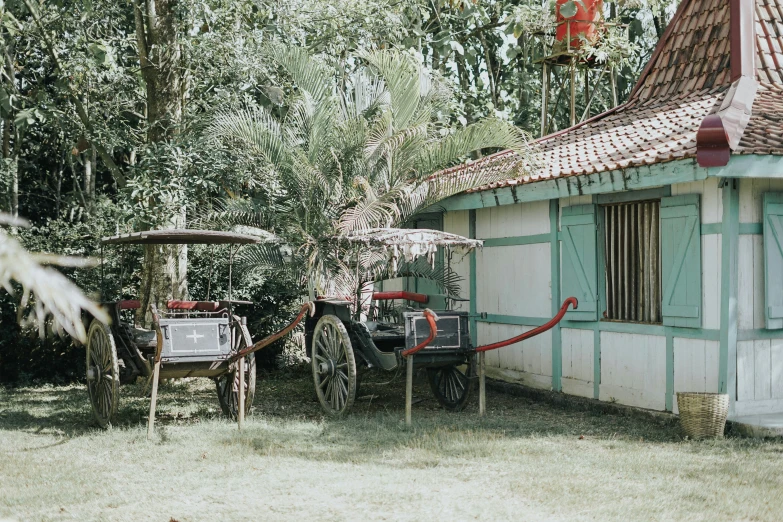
524, 461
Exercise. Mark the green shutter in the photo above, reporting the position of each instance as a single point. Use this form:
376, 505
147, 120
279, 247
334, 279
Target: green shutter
579, 276
681, 261
773, 259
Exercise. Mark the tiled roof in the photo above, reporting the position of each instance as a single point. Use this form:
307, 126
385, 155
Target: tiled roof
764, 133
769, 41
694, 56
688, 77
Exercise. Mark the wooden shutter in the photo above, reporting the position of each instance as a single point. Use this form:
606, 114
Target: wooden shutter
681, 261
773, 259
579, 269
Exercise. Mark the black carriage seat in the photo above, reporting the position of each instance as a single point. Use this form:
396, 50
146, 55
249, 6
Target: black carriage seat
144, 338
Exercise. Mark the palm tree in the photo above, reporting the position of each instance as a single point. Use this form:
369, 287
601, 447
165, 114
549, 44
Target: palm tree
349, 155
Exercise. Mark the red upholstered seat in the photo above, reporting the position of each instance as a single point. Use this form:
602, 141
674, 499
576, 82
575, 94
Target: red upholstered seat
200, 306
129, 304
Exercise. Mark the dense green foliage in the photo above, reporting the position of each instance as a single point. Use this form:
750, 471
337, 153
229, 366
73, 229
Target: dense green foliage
104, 110
347, 159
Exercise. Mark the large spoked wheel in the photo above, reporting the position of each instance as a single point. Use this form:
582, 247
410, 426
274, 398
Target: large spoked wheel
228, 384
334, 366
453, 385
103, 373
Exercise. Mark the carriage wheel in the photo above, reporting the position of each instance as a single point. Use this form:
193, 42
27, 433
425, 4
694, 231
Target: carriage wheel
228, 383
103, 373
334, 366
452, 385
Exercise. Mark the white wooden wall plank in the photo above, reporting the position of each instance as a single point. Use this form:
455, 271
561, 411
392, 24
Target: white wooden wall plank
711, 365
745, 283
762, 370
746, 200
776, 364
758, 282
577, 354
577, 387
513, 220
533, 356
745, 376
760, 186
633, 369
711, 267
514, 280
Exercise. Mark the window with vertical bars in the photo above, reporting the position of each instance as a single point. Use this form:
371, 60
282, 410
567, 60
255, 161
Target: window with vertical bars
633, 265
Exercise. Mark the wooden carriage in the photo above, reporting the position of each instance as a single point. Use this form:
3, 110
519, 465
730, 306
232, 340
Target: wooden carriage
187, 339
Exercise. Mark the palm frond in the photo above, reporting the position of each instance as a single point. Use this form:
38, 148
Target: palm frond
367, 94
254, 127
402, 76
49, 293
264, 256
234, 212
307, 73
485, 134
374, 211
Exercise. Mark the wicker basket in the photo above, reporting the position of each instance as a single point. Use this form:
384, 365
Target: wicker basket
703, 415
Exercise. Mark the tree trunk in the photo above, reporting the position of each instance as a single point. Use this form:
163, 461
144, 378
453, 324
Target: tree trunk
88, 183
10, 157
164, 274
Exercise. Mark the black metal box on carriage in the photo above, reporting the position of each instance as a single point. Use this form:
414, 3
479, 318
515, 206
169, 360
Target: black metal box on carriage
200, 339
453, 331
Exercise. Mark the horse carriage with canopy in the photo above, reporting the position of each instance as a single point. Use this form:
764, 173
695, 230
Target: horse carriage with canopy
340, 344
206, 338
187, 339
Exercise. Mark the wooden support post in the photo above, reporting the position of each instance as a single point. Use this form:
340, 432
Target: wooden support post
587, 95
153, 402
544, 97
573, 91
482, 385
241, 392
408, 390
614, 87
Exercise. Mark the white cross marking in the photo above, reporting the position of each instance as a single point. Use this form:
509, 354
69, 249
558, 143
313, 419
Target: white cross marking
195, 336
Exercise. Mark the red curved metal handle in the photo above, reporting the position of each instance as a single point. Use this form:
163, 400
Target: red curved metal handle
408, 296
535, 331
266, 341
431, 318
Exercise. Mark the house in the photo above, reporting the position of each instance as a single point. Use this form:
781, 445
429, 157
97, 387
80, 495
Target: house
663, 216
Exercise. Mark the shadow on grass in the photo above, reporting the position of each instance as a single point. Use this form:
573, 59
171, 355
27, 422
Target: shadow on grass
67, 411
289, 422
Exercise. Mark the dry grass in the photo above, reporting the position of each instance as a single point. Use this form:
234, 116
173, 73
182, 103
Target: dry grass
525, 461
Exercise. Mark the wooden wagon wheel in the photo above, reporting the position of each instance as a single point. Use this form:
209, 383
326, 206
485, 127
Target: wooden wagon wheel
334, 366
228, 383
103, 373
453, 385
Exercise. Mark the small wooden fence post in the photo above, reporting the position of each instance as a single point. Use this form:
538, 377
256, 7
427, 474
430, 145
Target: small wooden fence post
409, 390
153, 402
241, 392
482, 386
